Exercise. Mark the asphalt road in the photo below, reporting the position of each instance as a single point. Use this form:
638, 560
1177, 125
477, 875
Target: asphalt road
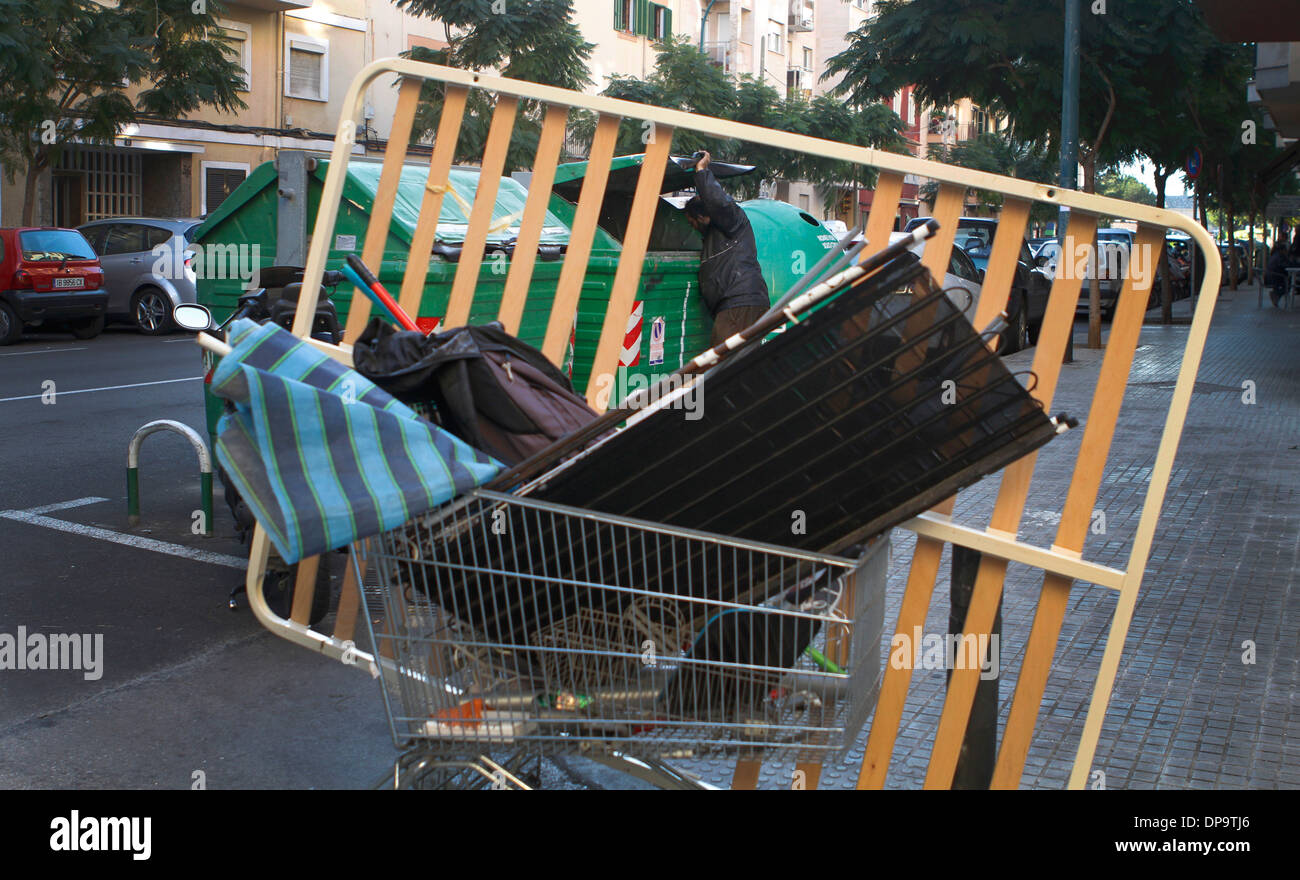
186, 685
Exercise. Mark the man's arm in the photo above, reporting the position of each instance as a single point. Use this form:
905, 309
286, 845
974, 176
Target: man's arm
722, 208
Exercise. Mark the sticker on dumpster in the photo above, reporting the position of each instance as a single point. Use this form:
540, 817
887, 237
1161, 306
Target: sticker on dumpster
631, 354
345, 242
657, 328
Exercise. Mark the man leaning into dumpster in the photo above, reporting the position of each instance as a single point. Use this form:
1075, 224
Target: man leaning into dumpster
731, 280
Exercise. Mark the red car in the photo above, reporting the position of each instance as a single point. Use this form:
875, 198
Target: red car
49, 276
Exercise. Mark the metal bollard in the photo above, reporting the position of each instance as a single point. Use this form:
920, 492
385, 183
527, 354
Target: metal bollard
133, 468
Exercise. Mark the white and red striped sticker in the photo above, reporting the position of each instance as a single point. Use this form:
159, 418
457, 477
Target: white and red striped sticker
631, 355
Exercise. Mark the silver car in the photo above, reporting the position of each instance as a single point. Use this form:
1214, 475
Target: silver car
146, 268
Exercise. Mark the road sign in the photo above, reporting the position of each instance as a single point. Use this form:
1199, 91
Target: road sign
1194, 163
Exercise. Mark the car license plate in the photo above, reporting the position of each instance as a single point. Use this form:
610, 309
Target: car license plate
65, 283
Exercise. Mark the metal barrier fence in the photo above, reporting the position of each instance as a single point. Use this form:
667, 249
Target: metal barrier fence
1062, 563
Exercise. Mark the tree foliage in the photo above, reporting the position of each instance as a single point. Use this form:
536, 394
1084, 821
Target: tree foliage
684, 79
997, 153
533, 40
1007, 56
76, 70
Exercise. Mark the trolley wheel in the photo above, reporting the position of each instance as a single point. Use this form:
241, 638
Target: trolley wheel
277, 587
87, 328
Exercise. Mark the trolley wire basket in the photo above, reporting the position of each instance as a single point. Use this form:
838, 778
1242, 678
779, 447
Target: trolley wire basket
514, 623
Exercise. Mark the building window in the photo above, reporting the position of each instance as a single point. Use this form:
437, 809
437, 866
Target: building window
644, 18
307, 73
775, 37
220, 179
113, 181
807, 58
662, 22
239, 37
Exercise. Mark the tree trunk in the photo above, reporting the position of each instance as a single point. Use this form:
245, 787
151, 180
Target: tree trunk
1234, 262
1166, 286
1094, 283
34, 170
1250, 249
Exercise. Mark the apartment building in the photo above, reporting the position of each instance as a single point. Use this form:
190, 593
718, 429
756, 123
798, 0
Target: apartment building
298, 56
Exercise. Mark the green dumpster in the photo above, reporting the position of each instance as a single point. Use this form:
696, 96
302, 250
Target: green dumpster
668, 324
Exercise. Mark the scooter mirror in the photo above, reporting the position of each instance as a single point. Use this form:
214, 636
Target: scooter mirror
192, 316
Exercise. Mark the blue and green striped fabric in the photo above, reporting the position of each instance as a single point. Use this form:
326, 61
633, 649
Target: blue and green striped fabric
322, 455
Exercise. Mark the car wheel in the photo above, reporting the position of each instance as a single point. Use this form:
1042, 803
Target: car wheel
1016, 337
152, 311
1021, 324
87, 328
11, 329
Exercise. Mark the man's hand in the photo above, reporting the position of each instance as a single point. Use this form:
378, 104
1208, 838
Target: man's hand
704, 161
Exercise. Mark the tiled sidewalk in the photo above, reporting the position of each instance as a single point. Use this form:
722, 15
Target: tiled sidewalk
1186, 711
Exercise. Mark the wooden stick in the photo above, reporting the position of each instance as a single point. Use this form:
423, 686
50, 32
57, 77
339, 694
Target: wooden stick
530, 227
884, 211
304, 589
1076, 516
631, 263
372, 252
746, 776
345, 619
480, 217
582, 232
1007, 511
426, 227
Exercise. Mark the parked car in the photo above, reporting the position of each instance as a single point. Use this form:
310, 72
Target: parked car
1242, 269
146, 271
1027, 302
1036, 244
49, 276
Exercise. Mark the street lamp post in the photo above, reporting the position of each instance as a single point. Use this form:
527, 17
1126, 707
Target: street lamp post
1069, 134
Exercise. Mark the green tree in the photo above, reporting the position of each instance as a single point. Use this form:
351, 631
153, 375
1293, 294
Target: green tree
1006, 55
78, 71
998, 153
1118, 185
684, 79
533, 40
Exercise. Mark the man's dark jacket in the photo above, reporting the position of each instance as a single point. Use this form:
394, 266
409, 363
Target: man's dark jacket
730, 277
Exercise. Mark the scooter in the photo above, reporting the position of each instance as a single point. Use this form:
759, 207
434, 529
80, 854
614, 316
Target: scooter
276, 300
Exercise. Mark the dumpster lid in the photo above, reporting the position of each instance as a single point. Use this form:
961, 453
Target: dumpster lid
623, 173
362, 182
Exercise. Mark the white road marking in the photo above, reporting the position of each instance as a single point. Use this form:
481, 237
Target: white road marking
14, 354
189, 339
34, 517
105, 388
64, 505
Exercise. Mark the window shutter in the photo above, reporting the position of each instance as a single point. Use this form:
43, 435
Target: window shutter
620, 21
641, 24
668, 23
304, 72
221, 182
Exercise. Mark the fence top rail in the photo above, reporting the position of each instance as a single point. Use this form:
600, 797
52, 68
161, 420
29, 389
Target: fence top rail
724, 128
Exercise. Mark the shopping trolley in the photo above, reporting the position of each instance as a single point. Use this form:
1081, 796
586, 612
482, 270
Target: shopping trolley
524, 626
